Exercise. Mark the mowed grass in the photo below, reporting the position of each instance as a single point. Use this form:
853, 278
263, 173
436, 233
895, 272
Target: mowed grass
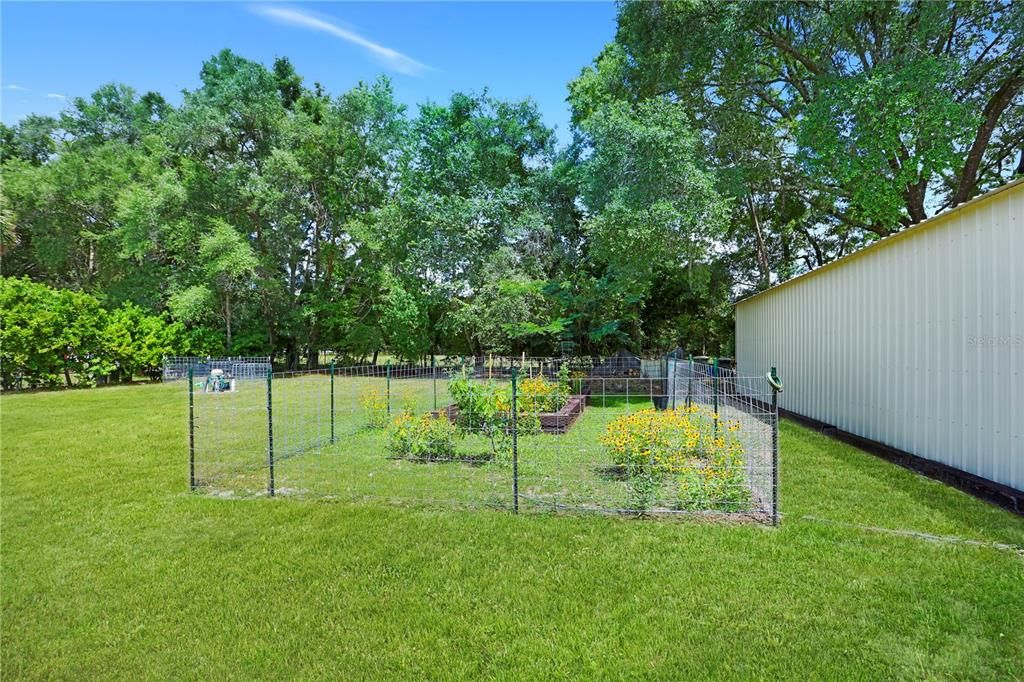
112, 569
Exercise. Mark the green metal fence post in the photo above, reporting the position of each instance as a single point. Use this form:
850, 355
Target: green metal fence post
389, 386
776, 385
515, 443
433, 377
689, 381
665, 382
671, 383
714, 391
270, 430
191, 434
332, 402
714, 382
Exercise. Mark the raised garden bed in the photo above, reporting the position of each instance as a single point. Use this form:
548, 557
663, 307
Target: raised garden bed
550, 422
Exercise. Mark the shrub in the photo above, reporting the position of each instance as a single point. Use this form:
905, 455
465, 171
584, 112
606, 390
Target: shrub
135, 342
693, 446
483, 408
422, 438
375, 409
51, 336
478, 402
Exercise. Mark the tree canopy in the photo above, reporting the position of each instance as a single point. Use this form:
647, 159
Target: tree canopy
829, 123
717, 148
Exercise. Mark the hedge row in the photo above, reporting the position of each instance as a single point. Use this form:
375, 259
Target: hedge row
50, 337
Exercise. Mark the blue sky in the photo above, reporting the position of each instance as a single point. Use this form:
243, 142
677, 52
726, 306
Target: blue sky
52, 52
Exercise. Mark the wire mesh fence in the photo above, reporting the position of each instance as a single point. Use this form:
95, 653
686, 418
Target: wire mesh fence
176, 367
653, 436
744, 410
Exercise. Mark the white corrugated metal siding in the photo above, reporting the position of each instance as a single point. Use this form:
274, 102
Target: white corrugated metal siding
916, 342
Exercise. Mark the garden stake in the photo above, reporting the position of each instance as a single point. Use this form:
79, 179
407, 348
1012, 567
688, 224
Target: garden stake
191, 435
515, 445
270, 430
389, 386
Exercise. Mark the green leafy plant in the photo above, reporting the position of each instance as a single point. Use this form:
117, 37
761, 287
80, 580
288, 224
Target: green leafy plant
485, 407
375, 409
426, 437
642, 486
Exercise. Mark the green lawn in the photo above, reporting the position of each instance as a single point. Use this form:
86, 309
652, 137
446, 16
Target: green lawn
110, 568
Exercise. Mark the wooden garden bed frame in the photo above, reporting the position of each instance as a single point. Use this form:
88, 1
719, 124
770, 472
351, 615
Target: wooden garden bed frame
550, 422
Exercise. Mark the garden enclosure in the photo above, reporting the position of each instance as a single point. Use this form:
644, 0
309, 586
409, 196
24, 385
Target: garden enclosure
620, 434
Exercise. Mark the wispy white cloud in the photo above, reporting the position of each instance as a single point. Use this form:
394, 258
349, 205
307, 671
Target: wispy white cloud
48, 95
392, 59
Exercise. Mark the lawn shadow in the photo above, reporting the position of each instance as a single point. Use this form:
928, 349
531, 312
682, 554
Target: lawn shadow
612, 472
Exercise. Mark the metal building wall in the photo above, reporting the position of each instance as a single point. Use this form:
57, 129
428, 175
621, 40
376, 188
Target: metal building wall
916, 341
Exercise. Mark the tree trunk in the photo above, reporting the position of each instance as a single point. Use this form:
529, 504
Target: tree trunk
914, 198
291, 358
761, 249
227, 319
993, 110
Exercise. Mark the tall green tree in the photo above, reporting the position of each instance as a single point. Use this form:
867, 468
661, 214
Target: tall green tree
654, 213
833, 123
229, 266
470, 188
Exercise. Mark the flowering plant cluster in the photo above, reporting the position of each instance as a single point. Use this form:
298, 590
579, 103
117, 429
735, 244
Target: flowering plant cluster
425, 437
484, 404
691, 446
538, 394
375, 409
